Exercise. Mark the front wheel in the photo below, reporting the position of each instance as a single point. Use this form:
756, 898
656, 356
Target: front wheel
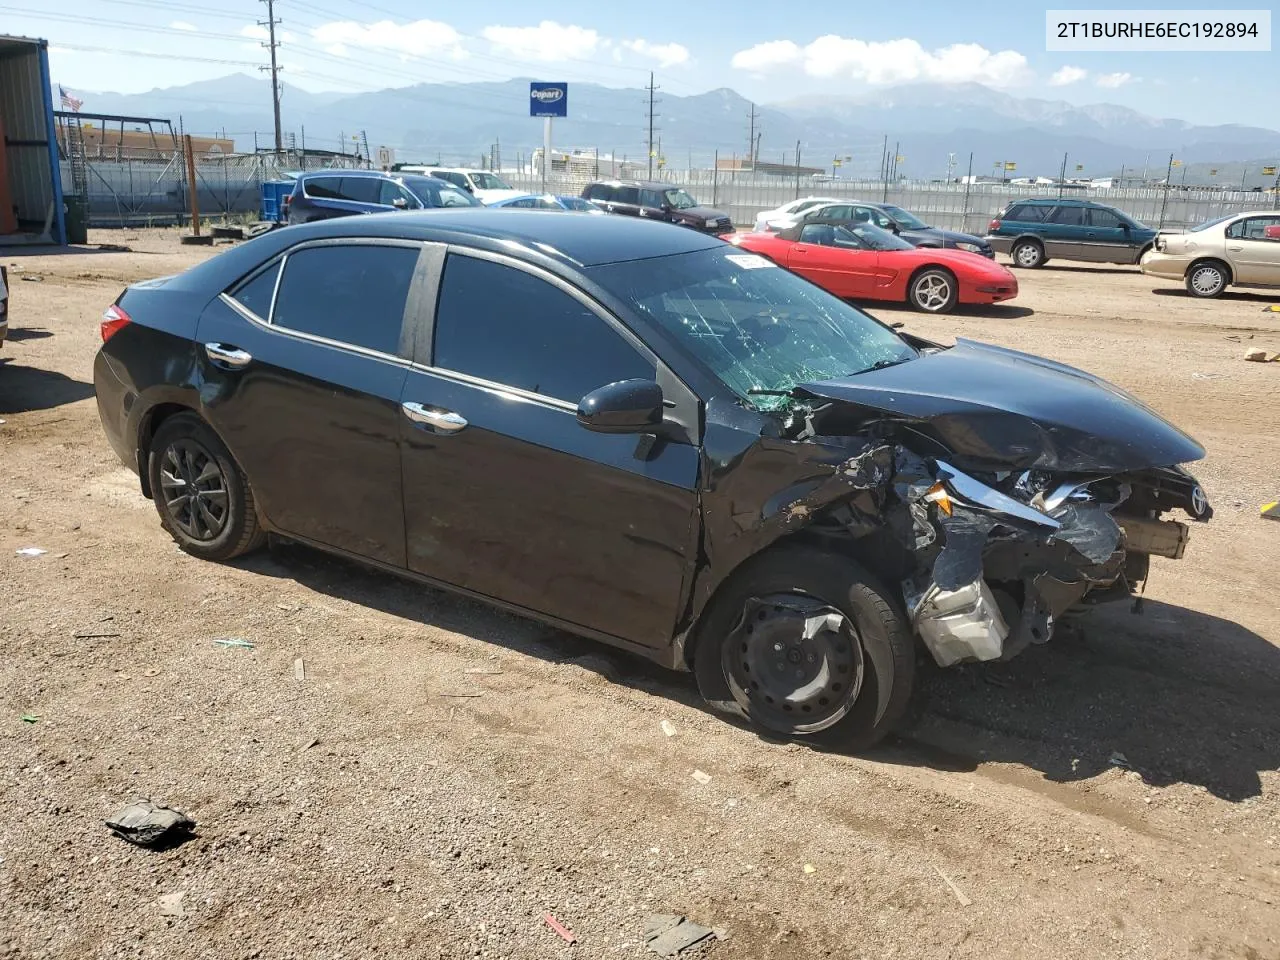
203, 497
804, 643
934, 291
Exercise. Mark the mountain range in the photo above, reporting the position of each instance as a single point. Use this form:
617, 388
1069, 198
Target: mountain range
458, 122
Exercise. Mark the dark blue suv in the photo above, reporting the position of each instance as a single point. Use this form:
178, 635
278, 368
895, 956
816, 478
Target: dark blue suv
343, 193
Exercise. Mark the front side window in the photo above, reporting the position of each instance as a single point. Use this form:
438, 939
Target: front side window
1104, 218
350, 293
576, 203
823, 234
755, 325
487, 181
507, 326
680, 200
389, 192
457, 179
906, 220
1068, 216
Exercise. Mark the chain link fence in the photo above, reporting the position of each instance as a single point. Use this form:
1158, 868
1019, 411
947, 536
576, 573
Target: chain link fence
954, 206
133, 193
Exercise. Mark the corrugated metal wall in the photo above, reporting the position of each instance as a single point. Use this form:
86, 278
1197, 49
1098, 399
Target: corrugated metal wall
23, 106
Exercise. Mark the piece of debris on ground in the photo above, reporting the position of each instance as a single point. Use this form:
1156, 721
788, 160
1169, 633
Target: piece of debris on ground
171, 905
150, 825
299, 669
31, 552
668, 728
1271, 511
959, 894
564, 932
233, 642
702, 778
668, 934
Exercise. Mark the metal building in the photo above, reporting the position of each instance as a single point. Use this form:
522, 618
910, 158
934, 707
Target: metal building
31, 203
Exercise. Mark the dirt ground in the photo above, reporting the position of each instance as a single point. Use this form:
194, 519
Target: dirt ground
444, 775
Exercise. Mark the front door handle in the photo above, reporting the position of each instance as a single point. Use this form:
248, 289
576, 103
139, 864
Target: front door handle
444, 420
227, 356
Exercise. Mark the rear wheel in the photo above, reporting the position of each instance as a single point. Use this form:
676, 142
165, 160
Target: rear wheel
203, 497
934, 291
1028, 253
804, 643
1207, 279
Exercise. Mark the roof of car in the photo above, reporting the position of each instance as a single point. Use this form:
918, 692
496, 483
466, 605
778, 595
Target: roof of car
643, 184
344, 173
557, 236
1062, 202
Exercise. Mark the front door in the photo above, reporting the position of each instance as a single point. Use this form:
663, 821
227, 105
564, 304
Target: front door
506, 494
306, 393
1254, 256
1107, 233
845, 270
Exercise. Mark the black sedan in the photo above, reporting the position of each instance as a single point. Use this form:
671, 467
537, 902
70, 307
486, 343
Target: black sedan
886, 216
643, 435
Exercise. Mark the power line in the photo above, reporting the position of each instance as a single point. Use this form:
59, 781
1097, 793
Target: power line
652, 89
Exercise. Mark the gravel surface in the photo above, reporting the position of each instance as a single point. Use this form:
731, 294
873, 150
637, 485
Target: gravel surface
444, 775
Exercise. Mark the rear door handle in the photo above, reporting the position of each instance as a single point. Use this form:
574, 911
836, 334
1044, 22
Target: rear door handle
1235, 249
227, 356
444, 420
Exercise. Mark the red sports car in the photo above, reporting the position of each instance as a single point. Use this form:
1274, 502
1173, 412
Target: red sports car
863, 262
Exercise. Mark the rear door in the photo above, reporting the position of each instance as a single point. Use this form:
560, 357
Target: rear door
506, 494
327, 199
844, 271
302, 367
1065, 234
1255, 257
1108, 236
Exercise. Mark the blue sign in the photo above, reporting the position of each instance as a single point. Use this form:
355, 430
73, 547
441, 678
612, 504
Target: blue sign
548, 99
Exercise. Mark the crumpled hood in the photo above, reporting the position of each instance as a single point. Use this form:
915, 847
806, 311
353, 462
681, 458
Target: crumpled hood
999, 409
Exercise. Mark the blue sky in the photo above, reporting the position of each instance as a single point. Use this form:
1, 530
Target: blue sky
768, 56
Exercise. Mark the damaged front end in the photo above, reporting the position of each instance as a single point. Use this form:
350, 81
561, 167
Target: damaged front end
1012, 553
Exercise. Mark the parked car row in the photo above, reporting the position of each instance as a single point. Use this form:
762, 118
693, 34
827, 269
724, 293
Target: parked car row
650, 437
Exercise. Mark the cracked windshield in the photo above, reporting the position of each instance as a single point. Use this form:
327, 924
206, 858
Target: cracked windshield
758, 327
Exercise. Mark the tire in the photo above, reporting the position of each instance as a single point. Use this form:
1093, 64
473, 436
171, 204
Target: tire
871, 643
223, 522
1207, 279
1028, 254
934, 290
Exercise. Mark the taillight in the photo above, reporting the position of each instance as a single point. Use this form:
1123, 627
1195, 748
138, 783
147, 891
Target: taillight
993, 226
114, 319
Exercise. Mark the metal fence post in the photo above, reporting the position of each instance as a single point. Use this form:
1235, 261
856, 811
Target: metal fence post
715, 179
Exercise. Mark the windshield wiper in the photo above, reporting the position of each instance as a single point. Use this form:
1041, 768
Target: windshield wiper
881, 364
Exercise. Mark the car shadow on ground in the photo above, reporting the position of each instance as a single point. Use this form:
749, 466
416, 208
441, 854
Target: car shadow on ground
1176, 695
23, 389
1180, 696
1263, 298
12, 253
902, 312
27, 333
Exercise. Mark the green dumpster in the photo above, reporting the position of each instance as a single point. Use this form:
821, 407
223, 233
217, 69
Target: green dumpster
77, 218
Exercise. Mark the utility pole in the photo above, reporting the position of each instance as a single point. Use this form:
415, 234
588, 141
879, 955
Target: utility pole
751, 136
270, 24
756, 158
649, 143
1165, 203
797, 169
1062, 178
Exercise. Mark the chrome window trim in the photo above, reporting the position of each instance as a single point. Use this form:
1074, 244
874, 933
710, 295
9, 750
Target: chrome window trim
282, 261
500, 389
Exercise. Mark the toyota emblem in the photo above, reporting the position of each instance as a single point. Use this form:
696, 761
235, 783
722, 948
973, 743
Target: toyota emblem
1199, 502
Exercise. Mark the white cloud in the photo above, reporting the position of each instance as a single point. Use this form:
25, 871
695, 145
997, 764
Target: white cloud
254, 31
1112, 80
889, 62
1067, 76
765, 55
415, 38
182, 25
547, 42
667, 54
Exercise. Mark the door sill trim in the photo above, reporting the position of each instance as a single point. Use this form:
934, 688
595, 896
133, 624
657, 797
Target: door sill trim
663, 656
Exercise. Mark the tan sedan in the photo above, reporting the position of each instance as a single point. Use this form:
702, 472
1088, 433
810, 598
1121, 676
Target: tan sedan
1240, 250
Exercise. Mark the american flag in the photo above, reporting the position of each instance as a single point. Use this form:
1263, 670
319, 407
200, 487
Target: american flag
68, 101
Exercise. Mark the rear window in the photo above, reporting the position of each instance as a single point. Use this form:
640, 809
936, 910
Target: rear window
651, 198
627, 195
1027, 213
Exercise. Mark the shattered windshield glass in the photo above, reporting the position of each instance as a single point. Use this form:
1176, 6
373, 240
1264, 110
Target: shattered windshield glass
757, 326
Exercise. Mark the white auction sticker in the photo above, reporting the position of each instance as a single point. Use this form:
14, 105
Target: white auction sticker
1202, 31
750, 261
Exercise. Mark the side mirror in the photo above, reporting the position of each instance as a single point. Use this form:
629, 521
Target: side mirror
400, 203
627, 406
894, 228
